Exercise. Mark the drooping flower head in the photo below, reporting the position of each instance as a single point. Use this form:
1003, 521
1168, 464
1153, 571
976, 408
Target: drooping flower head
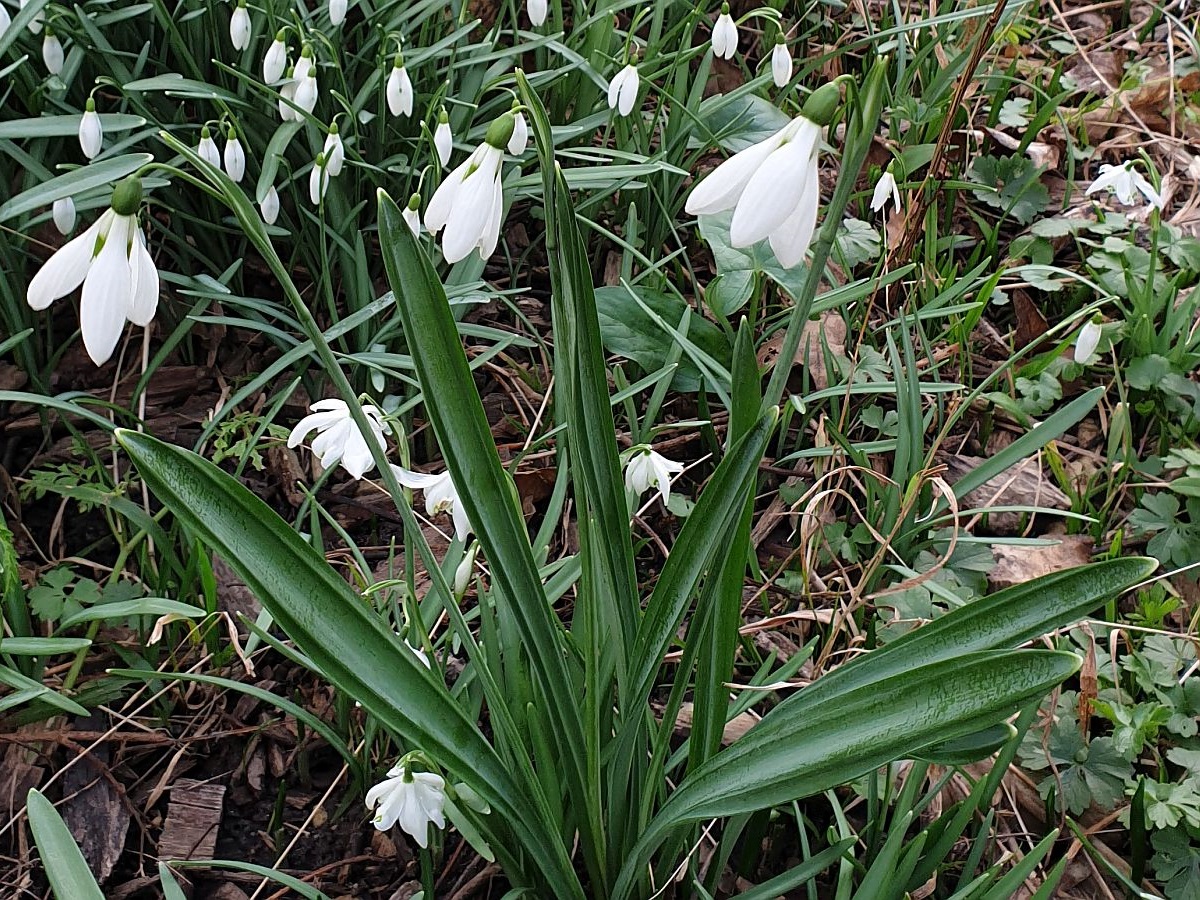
623, 90
337, 12
63, 213
773, 187
885, 189
412, 214
646, 468
110, 260
413, 800
443, 138
269, 206
399, 89
318, 180
537, 10
91, 133
335, 151
207, 148
338, 438
52, 53
440, 496
520, 136
1086, 343
275, 62
469, 203
235, 156
239, 27
725, 34
1126, 183
781, 62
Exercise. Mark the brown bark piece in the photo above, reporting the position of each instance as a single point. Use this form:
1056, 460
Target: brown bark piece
193, 817
95, 813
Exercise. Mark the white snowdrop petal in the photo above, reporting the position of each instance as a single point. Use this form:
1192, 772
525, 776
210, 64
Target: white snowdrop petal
145, 282
771, 195
723, 186
104, 305
65, 270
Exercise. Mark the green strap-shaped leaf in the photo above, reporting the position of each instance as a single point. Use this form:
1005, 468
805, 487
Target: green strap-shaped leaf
336, 629
789, 756
68, 872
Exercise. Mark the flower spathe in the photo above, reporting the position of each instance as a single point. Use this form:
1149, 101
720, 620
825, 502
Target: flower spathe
773, 189
440, 496
91, 133
647, 469
1126, 183
413, 800
110, 260
399, 89
623, 90
724, 34
338, 438
239, 27
469, 203
885, 189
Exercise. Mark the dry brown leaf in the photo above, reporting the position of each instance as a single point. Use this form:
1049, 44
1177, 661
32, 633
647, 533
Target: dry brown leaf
1021, 563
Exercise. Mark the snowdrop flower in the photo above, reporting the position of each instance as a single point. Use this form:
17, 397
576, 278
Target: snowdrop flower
337, 12
537, 10
275, 62
118, 276
463, 571
647, 469
781, 62
35, 25
338, 437
724, 34
885, 187
411, 214
772, 186
623, 90
306, 91
270, 205
443, 139
91, 134
1124, 180
469, 203
304, 65
63, 212
399, 89
235, 156
1086, 343
412, 799
52, 53
5, 20
318, 180
207, 148
440, 496
520, 136
239, 27
335, 152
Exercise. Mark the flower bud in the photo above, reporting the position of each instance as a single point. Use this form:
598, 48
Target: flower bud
127, 196
501, 130
462, 574
91, 134
64, 215
822, 103
443, 140
270, 206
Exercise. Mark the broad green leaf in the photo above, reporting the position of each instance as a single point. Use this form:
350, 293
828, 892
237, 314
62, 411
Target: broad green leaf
737, 122
64, 126
329, 622
629, 331
737, 267
72, 183
66, 869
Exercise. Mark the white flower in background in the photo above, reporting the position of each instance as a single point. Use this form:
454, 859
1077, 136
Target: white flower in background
647, 469
412, 799
63, 213
885, 188
235, 156
306, 91
270, 205
318, 180
91, 134
440, 496
773, 186
35, 24
52, 53
520, 136
5, 20
304, 65
1086, 343
337, 12
537, 10
399, 89
623, 90
725, 34
239, 27
335, 151
338, 438
412, 215
419, 654
1125, 182
275, 62
443, 139
110, 260
469, 203
781, 62
207, 148
464, 570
